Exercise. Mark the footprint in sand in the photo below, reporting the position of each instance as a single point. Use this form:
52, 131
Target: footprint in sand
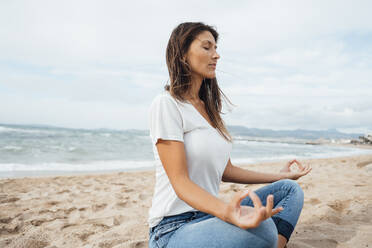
338, 205
69, 210
38, 222
9, 199
363, 164
52, 203
99, 207
11, 228
122, 204
64, 191
83, 236
6, 220
118, 220
318, 243
126, 190
332, 219
314, 201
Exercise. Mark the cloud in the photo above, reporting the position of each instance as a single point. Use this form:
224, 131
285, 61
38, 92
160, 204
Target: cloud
287, 64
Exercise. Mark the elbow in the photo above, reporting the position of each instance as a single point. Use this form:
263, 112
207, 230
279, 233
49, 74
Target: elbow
228, 173
180, 186
226, 179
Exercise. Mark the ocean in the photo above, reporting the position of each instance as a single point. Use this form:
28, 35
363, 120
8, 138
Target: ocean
30, 150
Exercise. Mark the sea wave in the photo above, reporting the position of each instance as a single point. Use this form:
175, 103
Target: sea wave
12, 148
92, 166
22, 130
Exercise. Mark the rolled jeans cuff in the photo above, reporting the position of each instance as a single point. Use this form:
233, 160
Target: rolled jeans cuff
284, 227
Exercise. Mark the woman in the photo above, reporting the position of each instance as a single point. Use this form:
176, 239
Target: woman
192, 148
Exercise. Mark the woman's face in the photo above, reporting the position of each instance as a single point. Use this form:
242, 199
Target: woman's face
202, 56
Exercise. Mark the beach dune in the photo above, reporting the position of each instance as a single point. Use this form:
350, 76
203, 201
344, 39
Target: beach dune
110, 210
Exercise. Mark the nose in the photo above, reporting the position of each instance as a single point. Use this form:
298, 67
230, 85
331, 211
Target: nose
216, 55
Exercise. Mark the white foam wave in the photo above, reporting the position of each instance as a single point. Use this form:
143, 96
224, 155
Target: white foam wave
21, 130
12, 148
93, 166
71, 148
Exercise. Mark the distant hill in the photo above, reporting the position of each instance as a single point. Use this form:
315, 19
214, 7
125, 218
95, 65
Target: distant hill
234, 130
298, 133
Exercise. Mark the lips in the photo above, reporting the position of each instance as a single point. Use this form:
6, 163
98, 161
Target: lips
213, 65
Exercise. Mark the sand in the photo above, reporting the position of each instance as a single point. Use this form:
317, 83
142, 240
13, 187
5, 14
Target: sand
110, 210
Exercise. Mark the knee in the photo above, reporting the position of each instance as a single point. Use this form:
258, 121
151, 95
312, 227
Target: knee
292, 184
294, 187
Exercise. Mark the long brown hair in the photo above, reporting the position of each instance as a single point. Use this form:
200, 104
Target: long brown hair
180, 73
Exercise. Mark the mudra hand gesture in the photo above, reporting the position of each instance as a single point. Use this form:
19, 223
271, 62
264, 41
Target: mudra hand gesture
302, 171
249, 217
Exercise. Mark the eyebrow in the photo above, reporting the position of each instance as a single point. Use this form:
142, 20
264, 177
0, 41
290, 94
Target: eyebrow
210, 42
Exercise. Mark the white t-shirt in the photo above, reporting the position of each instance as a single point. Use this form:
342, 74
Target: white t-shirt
207, 153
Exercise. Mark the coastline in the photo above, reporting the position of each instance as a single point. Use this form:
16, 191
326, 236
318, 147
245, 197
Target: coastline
110, 209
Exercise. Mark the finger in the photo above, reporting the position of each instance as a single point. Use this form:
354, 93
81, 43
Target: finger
256, 200
308, 170
306, 167
303, 168
269, 205
290, 162
276, 210
239, 197
304, 172
299, 165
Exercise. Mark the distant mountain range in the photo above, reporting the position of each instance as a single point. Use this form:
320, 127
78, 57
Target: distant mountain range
298, 133
234, 130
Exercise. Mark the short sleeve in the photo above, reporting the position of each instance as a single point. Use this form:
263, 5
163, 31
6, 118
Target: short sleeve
165, 120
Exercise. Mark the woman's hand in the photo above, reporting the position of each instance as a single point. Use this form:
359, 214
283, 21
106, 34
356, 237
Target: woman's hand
302, 171
249, 217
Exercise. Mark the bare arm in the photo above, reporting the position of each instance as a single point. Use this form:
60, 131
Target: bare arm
236, 174
173, 158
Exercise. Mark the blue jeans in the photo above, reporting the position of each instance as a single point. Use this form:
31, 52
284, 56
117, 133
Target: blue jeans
199, 229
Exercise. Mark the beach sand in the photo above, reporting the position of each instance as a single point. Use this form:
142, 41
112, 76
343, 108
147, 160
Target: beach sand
110, 210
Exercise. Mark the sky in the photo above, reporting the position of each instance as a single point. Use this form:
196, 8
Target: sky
99, 64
